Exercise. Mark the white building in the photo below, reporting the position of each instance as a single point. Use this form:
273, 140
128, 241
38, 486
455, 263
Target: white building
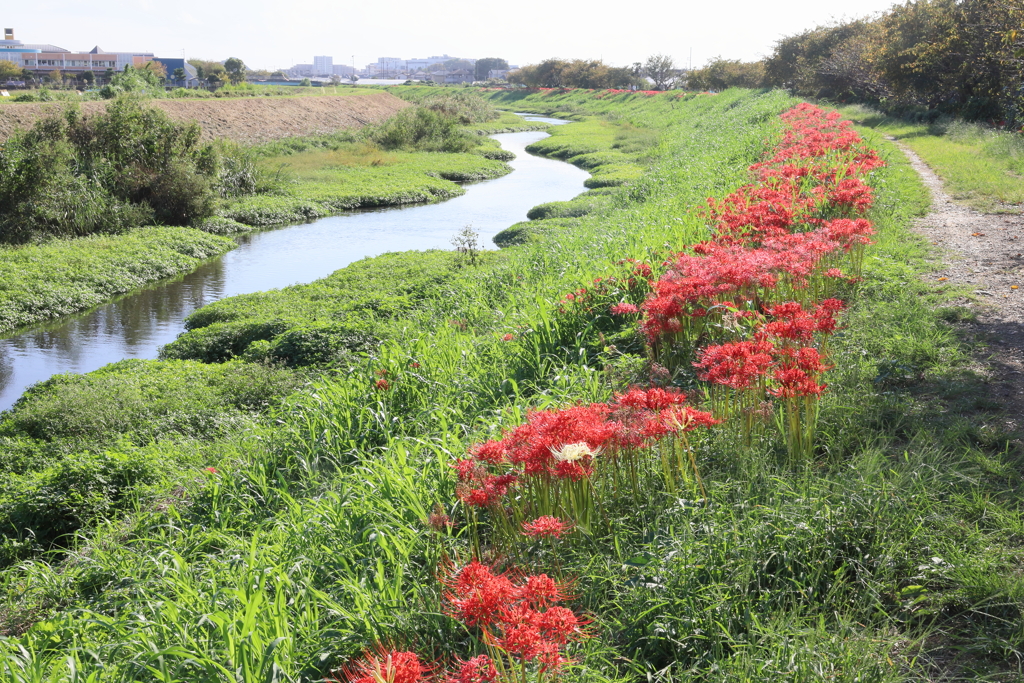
323, 66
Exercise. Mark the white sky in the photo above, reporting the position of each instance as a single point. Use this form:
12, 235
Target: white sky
278, 34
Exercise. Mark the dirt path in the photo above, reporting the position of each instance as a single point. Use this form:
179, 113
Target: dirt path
985, 252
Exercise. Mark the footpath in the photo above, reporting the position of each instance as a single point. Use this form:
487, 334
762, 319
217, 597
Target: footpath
984, 252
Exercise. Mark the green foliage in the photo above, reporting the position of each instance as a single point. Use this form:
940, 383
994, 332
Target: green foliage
981, 166
72, 175
137, 81
719, 74
483, 66
893, 559
577, 73
66, 276
939, 55
423, 128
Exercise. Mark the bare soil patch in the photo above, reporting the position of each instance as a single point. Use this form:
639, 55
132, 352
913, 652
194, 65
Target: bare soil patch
984, 252
253, 119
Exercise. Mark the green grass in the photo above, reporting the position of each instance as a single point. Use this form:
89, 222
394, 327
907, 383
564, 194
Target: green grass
41, 282
979, 166
895, 558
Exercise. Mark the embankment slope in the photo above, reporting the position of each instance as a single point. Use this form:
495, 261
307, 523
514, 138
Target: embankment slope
254, 119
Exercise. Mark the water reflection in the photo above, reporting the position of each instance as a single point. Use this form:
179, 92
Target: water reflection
136, 325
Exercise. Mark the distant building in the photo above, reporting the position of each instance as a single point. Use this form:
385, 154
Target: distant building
300, 70
323, 66
456, 76
43, 59
191, 79
343, 70
498, 74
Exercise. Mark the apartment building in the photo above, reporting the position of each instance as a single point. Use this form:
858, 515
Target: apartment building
44, 58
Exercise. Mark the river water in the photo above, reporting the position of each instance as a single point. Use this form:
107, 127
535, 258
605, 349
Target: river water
138, 324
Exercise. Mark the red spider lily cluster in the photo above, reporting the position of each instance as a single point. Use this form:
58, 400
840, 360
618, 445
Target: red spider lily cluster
519, 617
522, 625
546, 527
559, 459
782, 245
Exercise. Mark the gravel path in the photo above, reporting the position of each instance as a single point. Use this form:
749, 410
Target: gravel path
985, 252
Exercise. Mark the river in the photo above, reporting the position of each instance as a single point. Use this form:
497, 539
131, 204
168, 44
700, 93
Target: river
138, 324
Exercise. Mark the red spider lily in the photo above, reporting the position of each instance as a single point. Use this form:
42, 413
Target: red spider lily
386, 666
382, 385
624, 309
547, 526
479, 669
737, 365
211, 470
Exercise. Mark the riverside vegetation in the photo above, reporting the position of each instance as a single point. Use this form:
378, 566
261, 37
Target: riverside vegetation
119, 173
344, 492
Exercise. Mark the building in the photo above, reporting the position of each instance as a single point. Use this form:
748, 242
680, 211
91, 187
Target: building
343, 70
191, 79
323, 66
44, 59
456, 76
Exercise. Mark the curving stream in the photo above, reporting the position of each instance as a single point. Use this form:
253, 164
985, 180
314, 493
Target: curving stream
138, 324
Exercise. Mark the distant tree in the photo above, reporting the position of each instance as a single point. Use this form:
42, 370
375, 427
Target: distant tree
488, 64
179, 74
89, 77
719, 74
9, 69
660, 69
235, 68
335, 79
211, 72
56, 77
578, 73
133, 80
279, 76
158, 69
305, 82
108, 74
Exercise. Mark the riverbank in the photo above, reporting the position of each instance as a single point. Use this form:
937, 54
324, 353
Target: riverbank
876, 561
330, 175
42, 282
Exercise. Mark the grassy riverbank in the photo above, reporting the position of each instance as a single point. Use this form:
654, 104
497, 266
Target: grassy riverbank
891, 558
305, 178
41, 282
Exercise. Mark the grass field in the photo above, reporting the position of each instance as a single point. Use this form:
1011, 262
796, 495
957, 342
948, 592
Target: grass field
979, 166
894, 556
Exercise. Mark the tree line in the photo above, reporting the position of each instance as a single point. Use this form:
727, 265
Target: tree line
962, 57
595, 74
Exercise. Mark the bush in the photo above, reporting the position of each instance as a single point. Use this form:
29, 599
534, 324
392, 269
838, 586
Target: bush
72, 175
419, 128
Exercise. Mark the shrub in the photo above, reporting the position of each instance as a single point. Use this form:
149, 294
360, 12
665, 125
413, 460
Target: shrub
420, 128
73, 175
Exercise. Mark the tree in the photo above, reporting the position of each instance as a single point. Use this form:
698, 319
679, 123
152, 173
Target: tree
335, 79
660, 69
9, 69
487, 64
279, 76
578, 73
133, 80
179, 74
719, 74
56, 77
236, 70
305, 83
156, 68
89, 77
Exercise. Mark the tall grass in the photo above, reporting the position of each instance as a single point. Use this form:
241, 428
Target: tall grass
890, 559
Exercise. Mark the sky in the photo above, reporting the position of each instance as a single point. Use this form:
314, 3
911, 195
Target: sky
271, 35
